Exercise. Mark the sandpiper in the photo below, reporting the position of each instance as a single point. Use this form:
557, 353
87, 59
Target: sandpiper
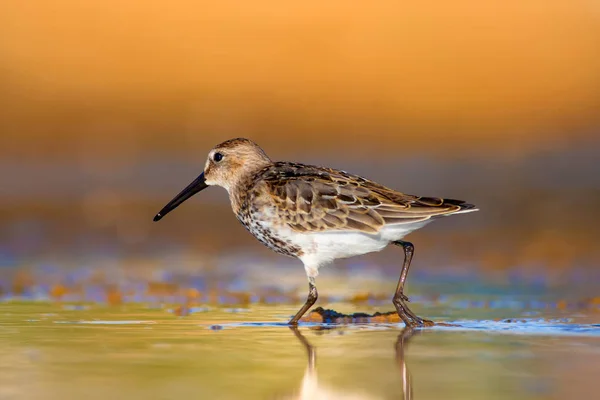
316, 214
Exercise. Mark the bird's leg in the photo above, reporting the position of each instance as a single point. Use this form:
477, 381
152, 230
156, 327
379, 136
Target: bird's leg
409, 250
400, 299
310, 300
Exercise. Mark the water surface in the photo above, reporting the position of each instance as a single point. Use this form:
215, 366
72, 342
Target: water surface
58, 351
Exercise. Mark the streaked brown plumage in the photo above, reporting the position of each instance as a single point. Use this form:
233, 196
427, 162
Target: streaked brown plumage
313, 199
314, 213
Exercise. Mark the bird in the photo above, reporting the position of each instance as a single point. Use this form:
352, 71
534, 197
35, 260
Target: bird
317, 214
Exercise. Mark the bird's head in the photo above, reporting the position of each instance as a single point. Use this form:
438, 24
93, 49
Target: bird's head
228, 164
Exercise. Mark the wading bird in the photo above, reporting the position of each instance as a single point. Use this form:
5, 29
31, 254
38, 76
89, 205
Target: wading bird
316, 214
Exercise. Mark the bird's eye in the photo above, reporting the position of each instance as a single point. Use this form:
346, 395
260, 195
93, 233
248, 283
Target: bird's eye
218, 157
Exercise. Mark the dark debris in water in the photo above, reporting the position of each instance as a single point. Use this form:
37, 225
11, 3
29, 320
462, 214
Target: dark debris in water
328, 316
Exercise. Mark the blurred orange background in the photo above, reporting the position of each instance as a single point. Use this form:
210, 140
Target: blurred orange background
108, 108
459, 76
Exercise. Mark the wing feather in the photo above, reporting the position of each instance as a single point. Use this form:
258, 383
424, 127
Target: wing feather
311, 198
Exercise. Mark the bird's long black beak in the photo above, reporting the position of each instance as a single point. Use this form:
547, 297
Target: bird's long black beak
196, 186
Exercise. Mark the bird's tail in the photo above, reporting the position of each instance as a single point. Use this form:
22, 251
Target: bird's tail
464, 206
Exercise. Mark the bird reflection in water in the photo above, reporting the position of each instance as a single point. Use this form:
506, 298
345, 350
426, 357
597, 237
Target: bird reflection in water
310, 388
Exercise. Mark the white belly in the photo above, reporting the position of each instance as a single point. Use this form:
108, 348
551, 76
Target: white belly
321, 248
332, 245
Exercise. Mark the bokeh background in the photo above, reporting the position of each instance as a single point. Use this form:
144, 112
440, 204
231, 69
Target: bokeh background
108, 109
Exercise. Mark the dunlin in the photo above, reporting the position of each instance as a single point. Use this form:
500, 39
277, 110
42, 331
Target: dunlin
316, 214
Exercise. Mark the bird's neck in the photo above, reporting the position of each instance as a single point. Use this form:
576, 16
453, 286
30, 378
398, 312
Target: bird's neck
239, 188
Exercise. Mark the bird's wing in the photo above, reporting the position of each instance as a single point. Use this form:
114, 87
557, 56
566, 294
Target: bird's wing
317, 199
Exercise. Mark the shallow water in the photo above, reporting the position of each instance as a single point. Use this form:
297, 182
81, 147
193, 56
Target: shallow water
58, 351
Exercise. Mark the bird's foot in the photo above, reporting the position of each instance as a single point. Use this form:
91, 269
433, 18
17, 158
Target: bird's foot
420, 322
409, 318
